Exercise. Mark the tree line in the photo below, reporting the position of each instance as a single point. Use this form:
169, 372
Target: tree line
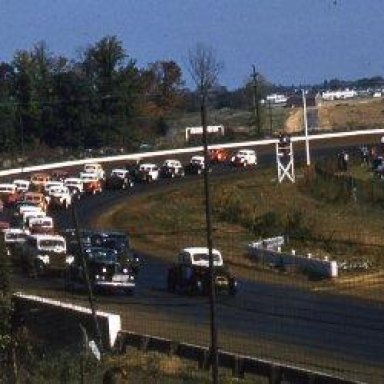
103, 98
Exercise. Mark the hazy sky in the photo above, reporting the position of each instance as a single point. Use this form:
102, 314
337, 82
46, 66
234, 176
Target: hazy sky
289, 41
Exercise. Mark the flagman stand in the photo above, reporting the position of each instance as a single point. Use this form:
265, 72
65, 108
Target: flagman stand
285, 159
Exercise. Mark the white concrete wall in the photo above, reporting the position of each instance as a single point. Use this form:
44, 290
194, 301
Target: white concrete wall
109, 323
321, 267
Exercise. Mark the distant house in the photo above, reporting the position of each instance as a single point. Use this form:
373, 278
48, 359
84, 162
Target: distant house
339, 95
276, 98
296, 101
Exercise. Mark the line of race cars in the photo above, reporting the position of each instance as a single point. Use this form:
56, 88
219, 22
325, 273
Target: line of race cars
37, 248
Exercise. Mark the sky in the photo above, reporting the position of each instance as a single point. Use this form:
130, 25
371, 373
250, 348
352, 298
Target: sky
288, 41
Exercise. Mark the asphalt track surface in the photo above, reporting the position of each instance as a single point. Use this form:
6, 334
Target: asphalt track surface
347, 331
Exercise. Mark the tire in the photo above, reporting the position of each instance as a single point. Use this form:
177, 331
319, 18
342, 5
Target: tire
38, 269
171, 285
68, 284
245, 164
199, 287
94, 192
233, 288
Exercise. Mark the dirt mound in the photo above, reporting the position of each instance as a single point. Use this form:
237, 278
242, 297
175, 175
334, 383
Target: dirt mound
294, 122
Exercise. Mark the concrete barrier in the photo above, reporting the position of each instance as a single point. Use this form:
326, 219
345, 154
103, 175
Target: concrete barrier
308, 263
52, 320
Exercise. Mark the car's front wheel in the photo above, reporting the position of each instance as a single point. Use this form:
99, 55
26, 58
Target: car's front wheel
38, 268
171, 284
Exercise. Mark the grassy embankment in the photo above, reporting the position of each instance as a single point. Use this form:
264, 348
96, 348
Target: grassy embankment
249, 206
352, 114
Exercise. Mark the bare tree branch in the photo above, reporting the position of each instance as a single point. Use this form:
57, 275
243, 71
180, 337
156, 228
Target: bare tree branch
204, 67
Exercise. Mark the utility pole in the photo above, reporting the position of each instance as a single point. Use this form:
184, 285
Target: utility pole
270, 117
22, 141
91, 300
255, 99
308, 156
212, 292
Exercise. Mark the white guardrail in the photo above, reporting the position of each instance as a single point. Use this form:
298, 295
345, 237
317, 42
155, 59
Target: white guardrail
268, 252
179, 151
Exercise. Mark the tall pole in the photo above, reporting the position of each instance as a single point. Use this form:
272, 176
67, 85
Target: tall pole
212, 292
270, 117
308, 156
21, 140
255, 99
84, 265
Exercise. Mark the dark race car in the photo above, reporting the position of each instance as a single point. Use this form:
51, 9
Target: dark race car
171, 169
119, 179
191, 274
107, 272
119, 242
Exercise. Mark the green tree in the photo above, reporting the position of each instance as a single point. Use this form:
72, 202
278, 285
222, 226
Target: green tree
9, 138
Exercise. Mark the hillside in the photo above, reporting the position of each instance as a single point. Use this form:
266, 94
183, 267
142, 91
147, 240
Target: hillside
354, 114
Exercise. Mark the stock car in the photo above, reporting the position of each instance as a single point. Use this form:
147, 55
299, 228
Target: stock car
196, 165
43, 254
119, 242
172, 168
190, 274
244, 157
106, 271
218, 155
91, 183
119, 179
116, 241
148, 172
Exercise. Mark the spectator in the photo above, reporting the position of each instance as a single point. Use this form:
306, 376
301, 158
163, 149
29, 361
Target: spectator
364, 152
343, 159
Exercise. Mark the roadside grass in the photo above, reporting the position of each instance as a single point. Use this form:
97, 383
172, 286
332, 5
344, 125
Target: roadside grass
252, 205
151, 367
134, 366
352, 115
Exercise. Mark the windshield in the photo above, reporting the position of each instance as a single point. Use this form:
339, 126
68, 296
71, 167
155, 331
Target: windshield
7, 189
118, 173
51, 244
14, 236
205, 257
102, 255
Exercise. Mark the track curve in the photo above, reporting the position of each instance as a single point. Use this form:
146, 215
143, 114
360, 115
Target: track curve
263, 319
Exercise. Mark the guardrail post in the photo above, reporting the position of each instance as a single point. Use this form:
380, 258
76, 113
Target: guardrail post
205, 360
173, 347
275, 375
144, 341
238, 367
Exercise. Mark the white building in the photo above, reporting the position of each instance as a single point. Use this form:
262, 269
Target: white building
276, 98
339, 94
